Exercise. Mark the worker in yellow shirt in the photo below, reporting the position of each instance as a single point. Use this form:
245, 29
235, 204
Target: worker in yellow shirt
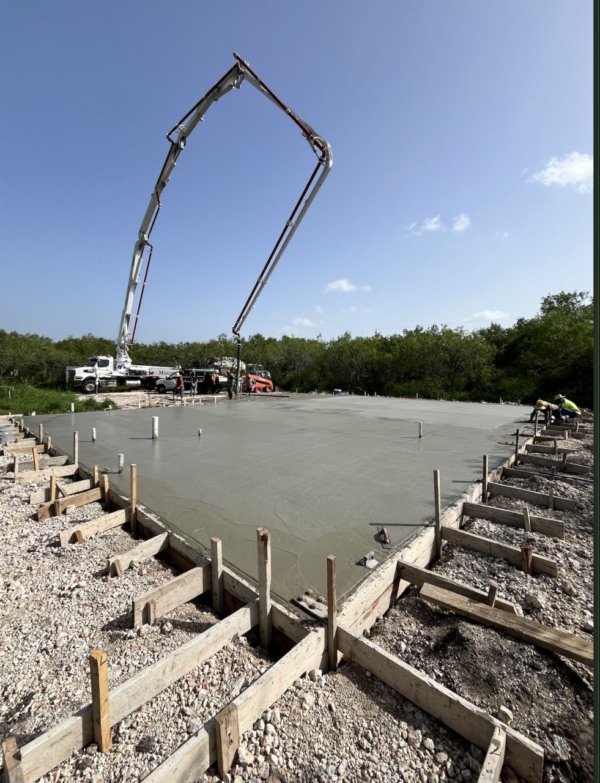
567, 408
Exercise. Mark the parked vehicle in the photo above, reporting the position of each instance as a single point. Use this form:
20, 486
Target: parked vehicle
105, 372
206, 385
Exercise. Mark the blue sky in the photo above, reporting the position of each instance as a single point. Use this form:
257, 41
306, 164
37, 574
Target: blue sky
460, 192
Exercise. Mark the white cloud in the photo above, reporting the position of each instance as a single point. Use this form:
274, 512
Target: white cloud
461, 223
349, 309
433, 224
303, 322
502, 234
319, 309
368, 312
409, 228
488, 315
525, 170
346, 286
574, 169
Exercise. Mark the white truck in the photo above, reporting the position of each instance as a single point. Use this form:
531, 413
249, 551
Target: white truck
106, 371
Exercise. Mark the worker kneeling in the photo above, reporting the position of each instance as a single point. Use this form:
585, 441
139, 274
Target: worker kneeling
548, 409
567, 408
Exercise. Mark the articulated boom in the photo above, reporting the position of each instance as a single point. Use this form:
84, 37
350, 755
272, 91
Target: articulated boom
233, 78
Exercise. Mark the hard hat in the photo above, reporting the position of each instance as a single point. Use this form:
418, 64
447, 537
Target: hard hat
560, 397
228, 372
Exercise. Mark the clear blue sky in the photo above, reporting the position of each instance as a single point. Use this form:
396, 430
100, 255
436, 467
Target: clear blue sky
460, 189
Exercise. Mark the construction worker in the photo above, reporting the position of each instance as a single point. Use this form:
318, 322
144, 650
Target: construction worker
567, 408
193, 386
547, 408
230, 384
179, 387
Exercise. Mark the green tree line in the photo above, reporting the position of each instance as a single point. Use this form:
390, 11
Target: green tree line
536, 357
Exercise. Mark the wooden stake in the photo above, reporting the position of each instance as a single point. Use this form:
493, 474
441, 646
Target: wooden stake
133, 498
563, 467
52, 489
491, 599
105, 496
40, 433
331, 614
526, 559
517, 448
95, 481
577, 426
76, 448
535, 425
566, 434
151, 612
494, 760
100, 704
16, 465
555, 446
438, 513
13, 771
36, 460
48, 444
216, 556
484, 483
526, 520
551, 498
227, 730
263, 538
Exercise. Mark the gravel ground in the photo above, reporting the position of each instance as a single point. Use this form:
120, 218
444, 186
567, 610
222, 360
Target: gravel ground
56, 605
545, 696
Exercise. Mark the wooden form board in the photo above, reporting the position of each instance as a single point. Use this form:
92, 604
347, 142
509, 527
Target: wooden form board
540, 565
535, 449
43, 495
34, 475
143, 551
56, 508
24, 448
539, 498
45, 463
196, 755
95, 526
524, 473
555, 528
570, 467
572, 434
529, 631
421, 576
173, 593
54, 746
525, 757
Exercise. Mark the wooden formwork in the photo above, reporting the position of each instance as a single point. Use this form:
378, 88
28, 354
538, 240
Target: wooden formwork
307, 645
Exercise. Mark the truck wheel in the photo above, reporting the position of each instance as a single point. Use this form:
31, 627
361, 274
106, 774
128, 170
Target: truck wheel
88, 386
161, 388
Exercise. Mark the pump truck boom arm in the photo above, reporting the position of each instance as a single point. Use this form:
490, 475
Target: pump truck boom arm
233, 79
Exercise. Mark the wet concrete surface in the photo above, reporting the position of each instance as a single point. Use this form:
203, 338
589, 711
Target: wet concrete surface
321, 473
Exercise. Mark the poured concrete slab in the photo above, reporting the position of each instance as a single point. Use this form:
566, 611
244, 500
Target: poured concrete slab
321, 473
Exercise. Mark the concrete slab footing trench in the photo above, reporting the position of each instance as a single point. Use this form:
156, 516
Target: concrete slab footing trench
322, 474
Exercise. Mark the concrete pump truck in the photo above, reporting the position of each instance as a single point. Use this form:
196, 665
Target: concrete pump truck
106, 371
